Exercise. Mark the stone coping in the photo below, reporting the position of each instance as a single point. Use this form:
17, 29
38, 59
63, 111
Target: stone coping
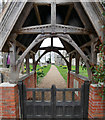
80, 76
7, 84
97, 85
25, 76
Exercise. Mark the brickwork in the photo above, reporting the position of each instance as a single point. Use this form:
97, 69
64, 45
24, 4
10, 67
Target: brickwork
80, 79
9, 101
9, 97
77, 77
30, 81
96, 104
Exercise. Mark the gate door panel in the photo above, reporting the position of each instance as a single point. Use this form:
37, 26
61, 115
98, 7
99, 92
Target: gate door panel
34, 105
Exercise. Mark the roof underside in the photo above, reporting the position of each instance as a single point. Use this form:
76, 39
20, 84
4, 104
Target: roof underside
45, 15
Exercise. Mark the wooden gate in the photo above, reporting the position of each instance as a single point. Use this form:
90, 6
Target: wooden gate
74, 108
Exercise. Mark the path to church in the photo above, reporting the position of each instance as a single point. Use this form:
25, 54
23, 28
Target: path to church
53, 77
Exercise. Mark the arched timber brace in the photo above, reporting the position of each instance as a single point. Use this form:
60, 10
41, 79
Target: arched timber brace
38, 39
53, 51
66, 38
70, 41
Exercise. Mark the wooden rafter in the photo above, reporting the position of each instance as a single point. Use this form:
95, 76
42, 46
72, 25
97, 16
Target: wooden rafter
18, 25
94, 17
83, 46
18, 44
37, 14
48, 29
68, 14
81, 13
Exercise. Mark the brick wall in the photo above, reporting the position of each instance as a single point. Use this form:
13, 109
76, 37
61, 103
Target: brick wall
30, 81
9, 101
96, 104
77, 77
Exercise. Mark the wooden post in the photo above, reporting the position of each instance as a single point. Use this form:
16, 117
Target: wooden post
69, 69
53, 13
27, 64
77, 63
4, 60
68, 79
14, 76
93, 54
70, 61
52, 42
34, 68
53, 100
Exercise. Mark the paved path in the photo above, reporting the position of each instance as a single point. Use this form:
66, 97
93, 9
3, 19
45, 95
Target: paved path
53, 77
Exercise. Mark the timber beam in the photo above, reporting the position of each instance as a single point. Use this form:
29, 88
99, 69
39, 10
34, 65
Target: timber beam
51, 29
37, 14
95, 17
49, 48
46, 2
68, 14
18, 44
84, 46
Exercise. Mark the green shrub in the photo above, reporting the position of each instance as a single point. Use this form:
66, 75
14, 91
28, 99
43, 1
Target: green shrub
44, 66
64, 67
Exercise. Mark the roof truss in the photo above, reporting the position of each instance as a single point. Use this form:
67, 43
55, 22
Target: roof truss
44, 29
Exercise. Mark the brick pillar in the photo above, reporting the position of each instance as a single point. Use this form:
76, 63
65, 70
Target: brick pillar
96, 104
9, 101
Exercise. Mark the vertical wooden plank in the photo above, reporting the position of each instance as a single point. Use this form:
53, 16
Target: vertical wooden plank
27, 64
42, 96
51, 42
68, 79
64, 96
34, 96
77, 63
86, 96
34, 68
70, 60
64, 100
21, 97
53, 13
82, 100
53, 100
73, 96
43, 106
25, 100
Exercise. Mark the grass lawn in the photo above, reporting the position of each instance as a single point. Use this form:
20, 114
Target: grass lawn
63, 72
